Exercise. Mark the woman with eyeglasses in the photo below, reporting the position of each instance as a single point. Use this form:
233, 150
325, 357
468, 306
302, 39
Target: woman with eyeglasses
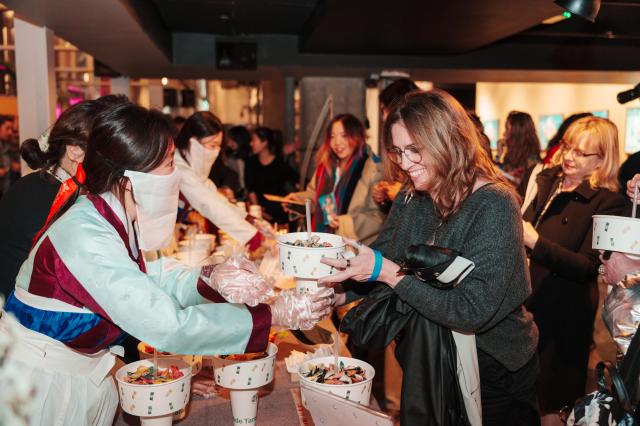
453, 198
342, 186
581, 182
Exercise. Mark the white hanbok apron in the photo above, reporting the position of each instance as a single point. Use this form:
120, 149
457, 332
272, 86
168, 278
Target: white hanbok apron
55, 370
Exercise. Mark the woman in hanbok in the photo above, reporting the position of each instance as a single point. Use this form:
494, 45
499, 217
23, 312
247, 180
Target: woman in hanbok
197, 147
85, 282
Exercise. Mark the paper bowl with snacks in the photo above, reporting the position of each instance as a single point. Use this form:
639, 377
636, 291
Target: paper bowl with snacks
154, 397
616, 233
146, 352
352, 381
300, 257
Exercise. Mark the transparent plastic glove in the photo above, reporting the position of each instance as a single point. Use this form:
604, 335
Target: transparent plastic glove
238, 281
301, 311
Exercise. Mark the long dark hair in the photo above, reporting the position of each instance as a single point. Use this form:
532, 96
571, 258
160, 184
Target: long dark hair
522, 141
200, 125
124, 137
72, 128
242, 137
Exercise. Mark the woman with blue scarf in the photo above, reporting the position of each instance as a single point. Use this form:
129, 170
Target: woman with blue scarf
341, 186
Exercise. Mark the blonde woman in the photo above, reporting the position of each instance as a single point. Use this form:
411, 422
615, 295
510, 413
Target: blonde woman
581, 182
453, 198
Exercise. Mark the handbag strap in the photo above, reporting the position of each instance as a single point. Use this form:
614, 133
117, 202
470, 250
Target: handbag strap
630, 368
618, 388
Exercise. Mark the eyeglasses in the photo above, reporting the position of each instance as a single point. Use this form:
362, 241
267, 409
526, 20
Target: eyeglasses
412, 153
577, 153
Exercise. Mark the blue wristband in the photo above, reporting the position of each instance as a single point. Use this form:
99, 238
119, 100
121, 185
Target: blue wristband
377, 267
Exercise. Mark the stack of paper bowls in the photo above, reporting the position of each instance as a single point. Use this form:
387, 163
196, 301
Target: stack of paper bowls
616, 233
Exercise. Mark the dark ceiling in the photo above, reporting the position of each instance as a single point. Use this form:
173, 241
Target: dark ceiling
497, 39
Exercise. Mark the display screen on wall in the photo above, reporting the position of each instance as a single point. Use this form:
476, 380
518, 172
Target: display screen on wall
632, 134
548, 125
603, 113
492, 130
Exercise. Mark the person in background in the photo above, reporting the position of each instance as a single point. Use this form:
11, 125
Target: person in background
28, 204
237, 147
484, 139
582, 182
384, 192
9, 157
522, 146
267, 173
178, 122
86, 281
197, 147
453, 198
346, 173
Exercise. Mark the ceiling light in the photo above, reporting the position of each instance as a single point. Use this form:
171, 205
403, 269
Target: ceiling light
164, 81
588, 9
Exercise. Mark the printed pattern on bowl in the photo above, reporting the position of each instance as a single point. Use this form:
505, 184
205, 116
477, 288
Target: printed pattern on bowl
242, 375
154, 400
616, 233
304, 262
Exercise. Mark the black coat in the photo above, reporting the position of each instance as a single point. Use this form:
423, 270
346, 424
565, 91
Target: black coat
564, 270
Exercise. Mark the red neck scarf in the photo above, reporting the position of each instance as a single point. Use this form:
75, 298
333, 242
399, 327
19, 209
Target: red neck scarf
67, 189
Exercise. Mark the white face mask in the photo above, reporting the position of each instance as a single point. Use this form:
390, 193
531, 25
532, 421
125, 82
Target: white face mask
201, 158
156, 198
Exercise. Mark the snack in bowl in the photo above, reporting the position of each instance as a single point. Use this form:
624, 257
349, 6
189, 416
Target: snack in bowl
145, 375
245, 357
327, 374
313, 242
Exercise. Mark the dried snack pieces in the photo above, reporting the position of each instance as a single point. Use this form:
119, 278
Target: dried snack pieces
322, 373
144, 375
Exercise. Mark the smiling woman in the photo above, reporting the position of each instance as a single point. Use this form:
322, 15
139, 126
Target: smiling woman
453, 199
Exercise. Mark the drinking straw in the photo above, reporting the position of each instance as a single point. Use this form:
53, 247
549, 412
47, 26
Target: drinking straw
307, 207
336, 350
155, 363
635, 201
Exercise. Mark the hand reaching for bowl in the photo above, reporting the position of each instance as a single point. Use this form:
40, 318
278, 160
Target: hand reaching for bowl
367, 265
301, 311
631, 185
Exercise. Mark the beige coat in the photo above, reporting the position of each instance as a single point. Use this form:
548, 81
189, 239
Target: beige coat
364, 218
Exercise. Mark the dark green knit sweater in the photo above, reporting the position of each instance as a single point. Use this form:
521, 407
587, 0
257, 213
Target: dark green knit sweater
489, 301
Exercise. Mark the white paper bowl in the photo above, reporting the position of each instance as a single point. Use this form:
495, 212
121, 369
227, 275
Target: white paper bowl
200, 241
304, 262
195, 361
242, 375
616, 233
357, 392
154, 400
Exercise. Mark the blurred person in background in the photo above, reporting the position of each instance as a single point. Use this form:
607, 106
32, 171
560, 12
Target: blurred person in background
267, 173
9, 154
29, 203
342, 185
582, 182
237, 140
197, 147
522, 147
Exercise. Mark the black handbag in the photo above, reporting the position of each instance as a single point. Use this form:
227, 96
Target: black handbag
440, 267
616, 404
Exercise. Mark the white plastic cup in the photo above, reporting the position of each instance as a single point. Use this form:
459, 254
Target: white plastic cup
244, 406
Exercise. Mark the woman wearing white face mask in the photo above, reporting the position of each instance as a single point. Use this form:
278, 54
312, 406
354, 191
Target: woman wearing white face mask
197, 147
85, 282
